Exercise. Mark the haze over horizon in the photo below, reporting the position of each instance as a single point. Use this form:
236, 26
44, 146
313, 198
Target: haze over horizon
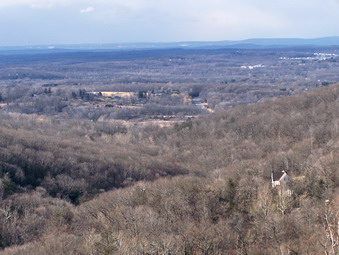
42, 22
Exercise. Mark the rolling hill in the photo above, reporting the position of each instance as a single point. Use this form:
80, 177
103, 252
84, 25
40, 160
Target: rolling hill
200, 187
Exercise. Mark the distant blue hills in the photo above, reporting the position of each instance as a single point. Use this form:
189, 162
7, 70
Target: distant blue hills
268, 43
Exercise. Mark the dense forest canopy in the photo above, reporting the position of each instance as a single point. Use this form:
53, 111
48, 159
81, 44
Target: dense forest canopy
169, 151
200, 186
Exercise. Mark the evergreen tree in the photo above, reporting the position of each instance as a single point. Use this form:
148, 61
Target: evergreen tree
8, 185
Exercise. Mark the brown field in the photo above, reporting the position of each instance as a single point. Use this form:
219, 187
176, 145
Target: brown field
114, 94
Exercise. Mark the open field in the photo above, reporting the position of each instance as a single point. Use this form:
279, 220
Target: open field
113, 94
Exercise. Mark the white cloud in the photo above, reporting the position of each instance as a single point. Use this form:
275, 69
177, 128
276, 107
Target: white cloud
87, 10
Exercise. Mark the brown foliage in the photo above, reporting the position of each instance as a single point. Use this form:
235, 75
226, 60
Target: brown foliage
221, 203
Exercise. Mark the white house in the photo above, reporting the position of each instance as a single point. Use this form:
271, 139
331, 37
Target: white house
279, 178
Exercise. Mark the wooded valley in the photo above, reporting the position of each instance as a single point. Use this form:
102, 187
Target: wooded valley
200, 187
170, 152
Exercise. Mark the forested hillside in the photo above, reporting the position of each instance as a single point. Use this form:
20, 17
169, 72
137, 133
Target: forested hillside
202, 186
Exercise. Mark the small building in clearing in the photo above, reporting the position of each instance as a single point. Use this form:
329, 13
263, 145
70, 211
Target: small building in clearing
279, 178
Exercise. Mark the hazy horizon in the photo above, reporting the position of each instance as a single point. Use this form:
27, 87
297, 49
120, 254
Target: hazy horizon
44, 22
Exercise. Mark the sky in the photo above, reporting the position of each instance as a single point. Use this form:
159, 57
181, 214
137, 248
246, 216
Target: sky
49, 22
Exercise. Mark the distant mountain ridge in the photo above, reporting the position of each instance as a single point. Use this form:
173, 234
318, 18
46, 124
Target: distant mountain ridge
255, 43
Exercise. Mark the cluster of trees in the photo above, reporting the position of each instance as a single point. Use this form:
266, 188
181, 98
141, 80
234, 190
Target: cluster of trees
83, 105
200, 187
78, 162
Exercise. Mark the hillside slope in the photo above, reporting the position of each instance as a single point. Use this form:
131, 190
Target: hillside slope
221, 202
